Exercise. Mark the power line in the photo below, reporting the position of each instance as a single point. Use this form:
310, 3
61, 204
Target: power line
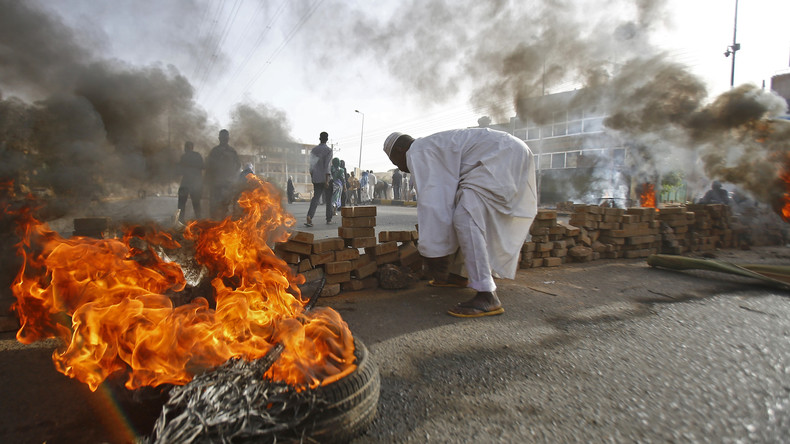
240, 67
282, 46
224, 35
220, 6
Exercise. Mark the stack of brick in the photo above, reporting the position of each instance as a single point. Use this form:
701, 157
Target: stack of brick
712, 227
638, 235
339, 260
594, 232
675, 222
406, 247
551, 241
358, 230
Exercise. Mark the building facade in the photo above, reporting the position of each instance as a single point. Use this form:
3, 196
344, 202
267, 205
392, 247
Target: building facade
577, 159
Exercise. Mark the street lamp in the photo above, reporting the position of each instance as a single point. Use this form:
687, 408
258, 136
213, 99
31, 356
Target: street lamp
734, 47
361, 133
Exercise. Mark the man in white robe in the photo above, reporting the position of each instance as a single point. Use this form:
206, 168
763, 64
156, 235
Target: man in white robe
477, 193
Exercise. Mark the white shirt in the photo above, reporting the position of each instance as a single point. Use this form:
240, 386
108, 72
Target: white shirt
496, 167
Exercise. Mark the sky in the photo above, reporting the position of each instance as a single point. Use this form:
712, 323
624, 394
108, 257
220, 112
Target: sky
414, 66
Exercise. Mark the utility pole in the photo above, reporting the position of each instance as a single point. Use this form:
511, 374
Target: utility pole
734, 48
361, 135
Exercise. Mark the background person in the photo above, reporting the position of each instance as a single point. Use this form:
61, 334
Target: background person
396, 181
290, 190
222, 173
191, 166
372, 181
320, 162
716, 195
353, 190
338, 179
477, 198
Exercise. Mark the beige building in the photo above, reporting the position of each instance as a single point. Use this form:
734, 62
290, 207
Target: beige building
276, 164
577, 159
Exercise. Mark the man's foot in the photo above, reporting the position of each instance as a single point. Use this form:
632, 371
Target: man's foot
485, 303
309, 222
329, 222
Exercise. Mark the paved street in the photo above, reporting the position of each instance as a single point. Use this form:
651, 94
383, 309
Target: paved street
605, 351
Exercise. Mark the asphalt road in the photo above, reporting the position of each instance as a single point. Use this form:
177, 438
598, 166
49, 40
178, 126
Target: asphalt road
606, 351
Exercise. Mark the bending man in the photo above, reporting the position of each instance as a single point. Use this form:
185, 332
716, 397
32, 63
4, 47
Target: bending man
477, 193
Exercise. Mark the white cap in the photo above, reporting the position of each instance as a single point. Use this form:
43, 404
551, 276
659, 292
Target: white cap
390, 142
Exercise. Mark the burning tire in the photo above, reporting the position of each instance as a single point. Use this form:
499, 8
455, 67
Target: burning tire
351, 402
233, 403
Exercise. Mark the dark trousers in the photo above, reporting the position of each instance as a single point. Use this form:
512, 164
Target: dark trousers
396, 192
321, 189
184, 193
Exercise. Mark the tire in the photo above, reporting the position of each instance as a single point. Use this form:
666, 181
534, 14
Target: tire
351, 402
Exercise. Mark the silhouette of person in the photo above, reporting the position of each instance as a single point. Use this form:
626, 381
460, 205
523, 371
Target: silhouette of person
320, 174
191, 168
222, 175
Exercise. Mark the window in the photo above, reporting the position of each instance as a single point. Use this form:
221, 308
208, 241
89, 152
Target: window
575, 127
593, 125
545, 161
560, 129
571, 159
575, 114
558, 160
533, 134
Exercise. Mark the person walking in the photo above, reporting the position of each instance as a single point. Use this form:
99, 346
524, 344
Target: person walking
477, 201
191, 166
320, 174
222, 173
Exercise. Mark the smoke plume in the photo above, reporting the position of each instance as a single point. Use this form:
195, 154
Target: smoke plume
508, 52
86, 124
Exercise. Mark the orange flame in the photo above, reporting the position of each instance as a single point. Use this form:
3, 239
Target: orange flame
784, 176
107, 301
648, 196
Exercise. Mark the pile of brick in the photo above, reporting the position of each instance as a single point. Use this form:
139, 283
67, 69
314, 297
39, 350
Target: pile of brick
595, 232
713, 227
339, 259
550, 241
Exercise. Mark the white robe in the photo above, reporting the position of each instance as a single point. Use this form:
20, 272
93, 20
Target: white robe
493, 175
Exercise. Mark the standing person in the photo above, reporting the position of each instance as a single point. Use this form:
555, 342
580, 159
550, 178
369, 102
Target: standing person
320, 162
338, 177
191, 166
363, 187
353, 190
477, 192
222, 173
290, 190
396, 181
372, 185
344, 191
404, 189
